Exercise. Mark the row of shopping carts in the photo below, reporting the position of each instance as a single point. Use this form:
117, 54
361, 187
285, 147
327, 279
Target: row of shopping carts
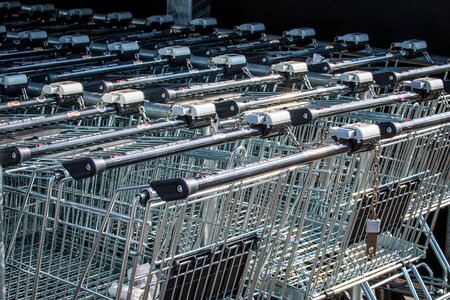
146, 160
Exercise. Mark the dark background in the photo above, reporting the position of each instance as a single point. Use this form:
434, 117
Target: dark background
385, 21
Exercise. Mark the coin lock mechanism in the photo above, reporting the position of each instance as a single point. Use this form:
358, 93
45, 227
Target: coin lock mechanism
203, 25
66, 93
427, 88
357, 81
76, 14
12, 85
231, 63
28, 37
293, 71
413, 48
42, 10
2, 32
10, 7
270, 123
301, 36
126, 101
360, 136
196, 115
160, 22
125, 50
118, 17
250, 31
355, 41
177, 55
75, 41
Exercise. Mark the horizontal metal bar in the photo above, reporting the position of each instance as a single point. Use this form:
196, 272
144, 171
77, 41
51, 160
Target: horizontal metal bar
341, 65
95, 71
274, 57
17, 154
31, 102
109, 86
308, 115
294, 95
193, 42
166, 94
179, 188
90, 166
391, 129
230, 108
47, 120
25, 53
59, 63
363, 278
251, 46
388, 78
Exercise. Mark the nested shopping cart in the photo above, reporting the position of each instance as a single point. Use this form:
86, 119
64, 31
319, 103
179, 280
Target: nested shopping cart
315, 244
73, 225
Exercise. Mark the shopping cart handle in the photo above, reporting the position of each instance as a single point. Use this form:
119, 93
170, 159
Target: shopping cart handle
226, 109
14, 155
389, 129
386, 78
85, 167
426, 90
303, 116
47, 120
392, 129
324, 67
160, 95
99, 86
175, 189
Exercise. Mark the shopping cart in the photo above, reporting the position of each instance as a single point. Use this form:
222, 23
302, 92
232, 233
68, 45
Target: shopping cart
139, 174
316, 246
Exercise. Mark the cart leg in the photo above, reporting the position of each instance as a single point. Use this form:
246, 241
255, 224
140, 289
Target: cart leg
368, 291
410, 284
447, 236
2, 243
421, 283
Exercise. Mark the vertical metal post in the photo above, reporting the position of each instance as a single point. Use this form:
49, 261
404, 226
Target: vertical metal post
184, 11
368, 291
447, 236
2, 242
209, 212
